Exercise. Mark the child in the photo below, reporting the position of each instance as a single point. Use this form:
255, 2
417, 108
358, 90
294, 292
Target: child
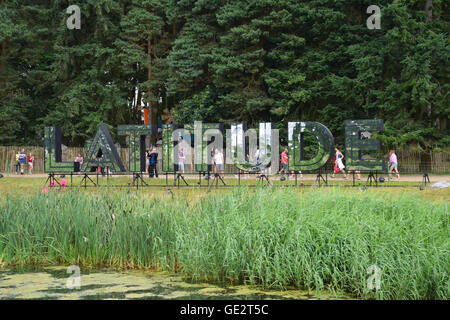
30, 163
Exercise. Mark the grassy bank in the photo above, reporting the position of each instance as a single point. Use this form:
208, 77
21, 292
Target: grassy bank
278, 238
28, 185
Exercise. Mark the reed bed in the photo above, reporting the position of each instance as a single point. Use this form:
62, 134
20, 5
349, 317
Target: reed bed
315, 240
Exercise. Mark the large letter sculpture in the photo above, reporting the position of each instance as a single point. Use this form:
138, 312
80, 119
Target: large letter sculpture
110, 158
207, 137
355, 142
236, 143
136, 144
325, 141
52, 150
167, 147
181, 139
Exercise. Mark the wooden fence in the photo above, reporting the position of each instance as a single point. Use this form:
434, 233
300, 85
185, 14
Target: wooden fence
8, 155
432, 162
408, 161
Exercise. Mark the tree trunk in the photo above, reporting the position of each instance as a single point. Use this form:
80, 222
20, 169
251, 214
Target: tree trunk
429, 11
3, 60
443, 123
3, 57
138, 103
151, 101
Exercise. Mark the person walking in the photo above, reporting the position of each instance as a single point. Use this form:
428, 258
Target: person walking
338, 164
218, 162
30, 163
22, 160
393, 164
284, 165
284, 161
153, 162
181, 158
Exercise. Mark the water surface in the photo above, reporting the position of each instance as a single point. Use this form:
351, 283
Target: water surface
51, 283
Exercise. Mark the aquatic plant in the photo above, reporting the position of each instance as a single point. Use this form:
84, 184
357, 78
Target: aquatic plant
316, 240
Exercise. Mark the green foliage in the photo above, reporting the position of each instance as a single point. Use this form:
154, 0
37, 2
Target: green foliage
225, 60
199, 107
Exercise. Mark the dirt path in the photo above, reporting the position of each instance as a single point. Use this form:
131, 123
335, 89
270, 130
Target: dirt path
307, 177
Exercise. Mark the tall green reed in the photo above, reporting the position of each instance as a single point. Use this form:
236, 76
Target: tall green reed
322, 240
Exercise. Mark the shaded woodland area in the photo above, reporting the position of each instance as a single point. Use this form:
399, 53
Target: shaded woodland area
225, 61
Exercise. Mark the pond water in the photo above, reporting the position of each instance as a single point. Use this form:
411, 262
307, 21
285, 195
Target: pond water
51, 283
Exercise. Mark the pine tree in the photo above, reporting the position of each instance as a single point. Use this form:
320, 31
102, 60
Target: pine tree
224, 61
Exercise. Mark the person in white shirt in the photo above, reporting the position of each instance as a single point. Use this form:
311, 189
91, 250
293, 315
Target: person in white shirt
257, 153
218, 162
256, 157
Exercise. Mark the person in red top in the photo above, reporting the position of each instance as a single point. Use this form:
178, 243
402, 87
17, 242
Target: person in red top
30, 163
284, 161
284, 164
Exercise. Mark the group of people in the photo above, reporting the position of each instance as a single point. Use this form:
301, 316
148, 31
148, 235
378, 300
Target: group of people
152, 162
340, 167
218, 163
21, 161
339, 164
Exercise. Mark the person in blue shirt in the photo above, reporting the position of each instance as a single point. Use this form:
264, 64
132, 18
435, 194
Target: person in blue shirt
153, 162
22, 160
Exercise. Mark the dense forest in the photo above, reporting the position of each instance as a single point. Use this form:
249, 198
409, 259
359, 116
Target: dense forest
225, 61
